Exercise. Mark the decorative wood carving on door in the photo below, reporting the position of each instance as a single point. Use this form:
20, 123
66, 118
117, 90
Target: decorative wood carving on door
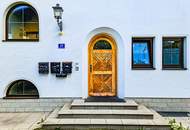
102, 66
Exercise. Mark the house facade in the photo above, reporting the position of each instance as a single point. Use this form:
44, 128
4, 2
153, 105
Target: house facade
123, 48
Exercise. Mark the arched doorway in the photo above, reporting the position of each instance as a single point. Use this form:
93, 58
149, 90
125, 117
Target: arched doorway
22, 89
102, 70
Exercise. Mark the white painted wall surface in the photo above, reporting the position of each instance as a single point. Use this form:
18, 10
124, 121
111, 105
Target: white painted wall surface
82, 19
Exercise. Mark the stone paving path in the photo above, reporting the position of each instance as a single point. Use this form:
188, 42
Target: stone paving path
20, 121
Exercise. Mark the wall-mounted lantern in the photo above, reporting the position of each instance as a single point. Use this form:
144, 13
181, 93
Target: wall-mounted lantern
58, 11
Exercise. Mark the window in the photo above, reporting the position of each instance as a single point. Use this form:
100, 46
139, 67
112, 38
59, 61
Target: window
22, 23
102, 44
173, 53
142, 53
22, 89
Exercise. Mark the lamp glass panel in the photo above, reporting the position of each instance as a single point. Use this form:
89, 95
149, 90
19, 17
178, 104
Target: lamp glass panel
57, 13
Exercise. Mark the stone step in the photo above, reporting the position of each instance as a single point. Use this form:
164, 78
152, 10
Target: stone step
141, 113
142, 118
114, 124
81, 104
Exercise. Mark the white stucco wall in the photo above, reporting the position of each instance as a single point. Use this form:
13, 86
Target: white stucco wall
123, 19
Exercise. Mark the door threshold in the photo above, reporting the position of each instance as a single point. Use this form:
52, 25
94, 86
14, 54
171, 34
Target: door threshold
104, 99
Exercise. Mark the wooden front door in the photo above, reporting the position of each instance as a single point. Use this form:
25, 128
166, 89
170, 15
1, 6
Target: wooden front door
102, 66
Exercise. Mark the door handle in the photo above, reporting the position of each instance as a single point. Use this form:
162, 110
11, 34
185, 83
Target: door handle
90, 68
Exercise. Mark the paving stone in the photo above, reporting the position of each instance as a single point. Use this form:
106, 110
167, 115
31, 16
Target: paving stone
129, 121
166, 104
99, 127
114, 122
118, 112
98, 121
146, 122
66, 121
28, 109
19, 109
3, 109
47, 109
19, 121
52, 121
82, 121
10, 109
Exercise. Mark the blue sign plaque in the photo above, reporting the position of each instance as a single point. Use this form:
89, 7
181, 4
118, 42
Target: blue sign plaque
61, 46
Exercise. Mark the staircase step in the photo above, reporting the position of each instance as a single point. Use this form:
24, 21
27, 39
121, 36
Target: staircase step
141, 113
131, 124
104, 118
104, 99
105, 115
81, 104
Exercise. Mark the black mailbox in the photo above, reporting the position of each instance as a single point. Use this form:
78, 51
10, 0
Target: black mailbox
67, 67
55, 67
43, 67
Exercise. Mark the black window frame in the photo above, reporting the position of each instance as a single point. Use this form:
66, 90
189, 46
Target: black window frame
181, 55
6, 25
24, 96
150, 66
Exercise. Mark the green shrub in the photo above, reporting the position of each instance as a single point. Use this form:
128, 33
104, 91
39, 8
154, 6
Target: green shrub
176, 126
57, 128
38, 129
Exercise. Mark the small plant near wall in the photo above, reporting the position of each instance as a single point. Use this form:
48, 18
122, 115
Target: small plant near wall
39, 129
176, 126
57, 128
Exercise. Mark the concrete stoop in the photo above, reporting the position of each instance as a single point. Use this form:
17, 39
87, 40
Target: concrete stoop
82, 115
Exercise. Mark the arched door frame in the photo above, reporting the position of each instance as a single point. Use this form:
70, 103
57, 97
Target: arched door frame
111, 40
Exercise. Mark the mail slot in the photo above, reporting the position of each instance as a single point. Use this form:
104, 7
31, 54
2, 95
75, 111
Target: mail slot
55, 67
43, 67
67, 67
